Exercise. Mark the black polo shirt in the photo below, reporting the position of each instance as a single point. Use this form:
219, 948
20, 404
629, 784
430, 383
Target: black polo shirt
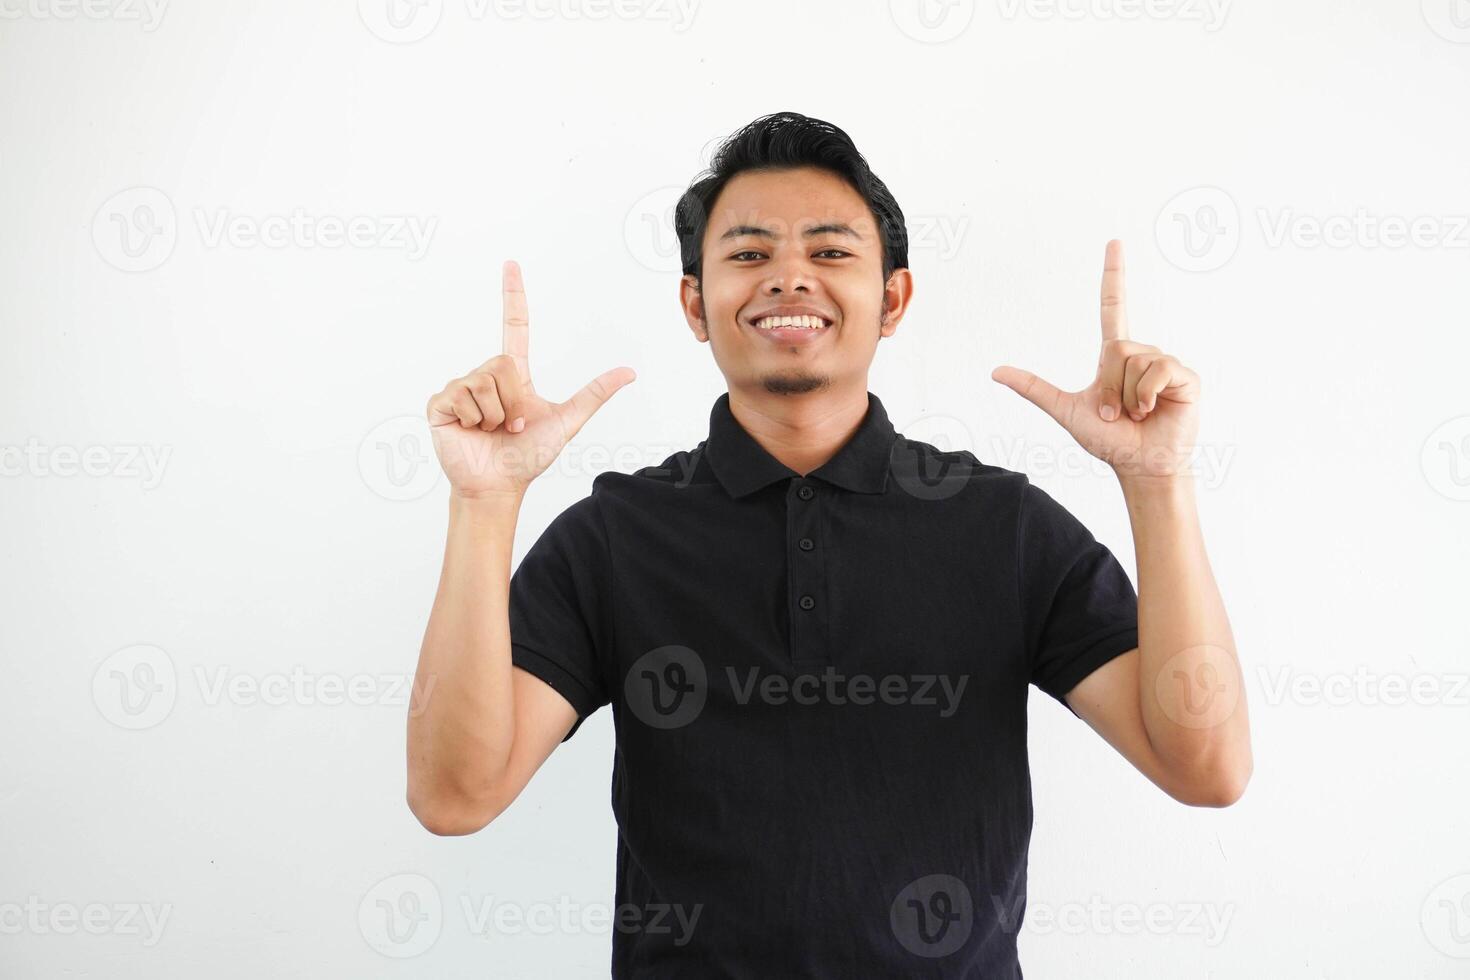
818, 687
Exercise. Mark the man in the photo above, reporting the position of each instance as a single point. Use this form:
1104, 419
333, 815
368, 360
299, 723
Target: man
816, 636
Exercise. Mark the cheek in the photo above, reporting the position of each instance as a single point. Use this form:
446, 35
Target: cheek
721, 307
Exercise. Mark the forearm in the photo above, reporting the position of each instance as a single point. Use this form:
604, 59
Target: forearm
1192, 694
459, 740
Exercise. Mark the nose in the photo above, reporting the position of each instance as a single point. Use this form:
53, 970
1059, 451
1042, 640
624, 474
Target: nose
790, 274
775, 286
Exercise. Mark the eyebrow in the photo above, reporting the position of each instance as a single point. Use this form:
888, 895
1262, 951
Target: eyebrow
835, 228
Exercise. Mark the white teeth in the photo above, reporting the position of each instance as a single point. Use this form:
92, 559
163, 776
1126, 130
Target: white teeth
802, 322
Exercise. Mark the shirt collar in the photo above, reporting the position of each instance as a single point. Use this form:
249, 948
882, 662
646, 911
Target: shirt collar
743, 466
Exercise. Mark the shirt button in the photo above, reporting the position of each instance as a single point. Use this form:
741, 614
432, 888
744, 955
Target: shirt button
806, 544
807, 602
805, 493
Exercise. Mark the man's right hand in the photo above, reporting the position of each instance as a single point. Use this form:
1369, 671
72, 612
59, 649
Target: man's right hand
492, 432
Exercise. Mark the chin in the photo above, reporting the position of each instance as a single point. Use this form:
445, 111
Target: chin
795, 384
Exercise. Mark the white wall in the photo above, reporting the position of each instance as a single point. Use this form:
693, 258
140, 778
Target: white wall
255, 533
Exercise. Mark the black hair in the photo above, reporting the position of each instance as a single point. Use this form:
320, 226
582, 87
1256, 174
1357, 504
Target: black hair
785, 141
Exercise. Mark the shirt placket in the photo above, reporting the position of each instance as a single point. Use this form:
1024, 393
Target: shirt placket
806, 571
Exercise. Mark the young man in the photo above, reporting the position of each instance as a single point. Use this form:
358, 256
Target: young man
816, 636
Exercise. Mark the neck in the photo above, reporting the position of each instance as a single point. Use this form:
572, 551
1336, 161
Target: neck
802, 431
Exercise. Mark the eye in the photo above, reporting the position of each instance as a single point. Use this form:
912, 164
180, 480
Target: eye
839, 253
746, 252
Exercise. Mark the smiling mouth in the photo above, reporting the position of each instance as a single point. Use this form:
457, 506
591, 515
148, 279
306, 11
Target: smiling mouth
772, 323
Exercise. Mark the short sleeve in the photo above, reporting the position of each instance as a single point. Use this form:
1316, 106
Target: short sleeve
557, 608
1079, 610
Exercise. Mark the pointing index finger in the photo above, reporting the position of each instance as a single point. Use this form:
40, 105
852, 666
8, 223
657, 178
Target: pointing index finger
1114, 309
516, 338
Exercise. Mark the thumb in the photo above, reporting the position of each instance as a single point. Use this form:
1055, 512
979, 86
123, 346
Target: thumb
1039, 392
581, 406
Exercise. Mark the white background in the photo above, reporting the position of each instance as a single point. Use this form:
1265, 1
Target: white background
290, 519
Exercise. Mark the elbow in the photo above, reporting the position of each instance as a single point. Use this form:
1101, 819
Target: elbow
451, 818
1220, 789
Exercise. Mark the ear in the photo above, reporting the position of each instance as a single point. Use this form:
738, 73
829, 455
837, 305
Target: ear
693, 304
896, 295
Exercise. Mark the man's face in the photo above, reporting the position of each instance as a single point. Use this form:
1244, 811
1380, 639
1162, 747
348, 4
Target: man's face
789, 241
